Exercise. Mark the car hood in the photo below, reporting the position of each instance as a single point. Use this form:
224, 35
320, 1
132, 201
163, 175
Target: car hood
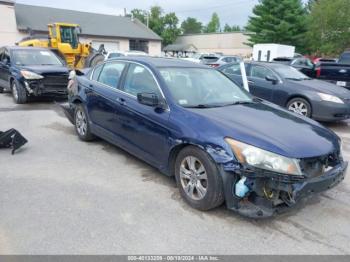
46, 69
269, 127
323, 87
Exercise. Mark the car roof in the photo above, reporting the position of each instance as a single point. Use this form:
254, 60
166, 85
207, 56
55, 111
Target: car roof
160, 61
268, 64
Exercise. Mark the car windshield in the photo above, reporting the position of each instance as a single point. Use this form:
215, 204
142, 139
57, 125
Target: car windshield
291, 73
202, 88
35, 57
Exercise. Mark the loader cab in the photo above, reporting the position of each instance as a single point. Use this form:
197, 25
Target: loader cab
64, 33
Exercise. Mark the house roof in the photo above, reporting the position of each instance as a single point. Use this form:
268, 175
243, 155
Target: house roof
180, 48
7, 2
38, 17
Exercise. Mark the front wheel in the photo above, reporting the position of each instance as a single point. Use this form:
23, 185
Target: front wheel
300, 106
198, 179
82, 126
19, 94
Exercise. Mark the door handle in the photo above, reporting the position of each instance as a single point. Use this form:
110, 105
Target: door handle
250, 82
121, 101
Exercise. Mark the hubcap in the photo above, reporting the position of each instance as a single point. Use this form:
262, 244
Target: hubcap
193, 178
81, 123
15, 92
299, 108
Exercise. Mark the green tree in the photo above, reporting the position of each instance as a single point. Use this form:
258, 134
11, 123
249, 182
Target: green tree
156, 19
191, 26
171, 30
140, 15
214, 24
234, 28
278, 21
227, 28
329, 27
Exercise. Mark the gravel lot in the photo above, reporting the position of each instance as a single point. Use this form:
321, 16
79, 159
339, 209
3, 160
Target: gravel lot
59, 195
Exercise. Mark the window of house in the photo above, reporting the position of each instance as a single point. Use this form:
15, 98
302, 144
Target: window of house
138, 45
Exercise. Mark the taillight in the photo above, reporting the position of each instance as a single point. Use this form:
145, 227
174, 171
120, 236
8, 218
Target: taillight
214, 65
318, 71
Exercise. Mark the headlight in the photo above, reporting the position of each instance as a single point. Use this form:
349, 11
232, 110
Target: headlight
330, 98
251, 155
30, 75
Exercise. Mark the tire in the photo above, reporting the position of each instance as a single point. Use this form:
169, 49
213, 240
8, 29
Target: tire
206, 193
300, 106
81, 123
19, 94
94, 60
1, 90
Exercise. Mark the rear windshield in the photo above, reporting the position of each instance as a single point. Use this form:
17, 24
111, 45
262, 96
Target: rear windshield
210, 59
35, 57
345, 58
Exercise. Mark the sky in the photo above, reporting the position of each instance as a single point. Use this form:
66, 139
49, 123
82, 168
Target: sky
233, 12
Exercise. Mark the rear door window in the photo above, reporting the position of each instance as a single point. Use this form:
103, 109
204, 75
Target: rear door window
111, 74
234, 69
260, 72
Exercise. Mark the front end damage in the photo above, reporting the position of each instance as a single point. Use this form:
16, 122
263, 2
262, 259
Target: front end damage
49, 85
259, 193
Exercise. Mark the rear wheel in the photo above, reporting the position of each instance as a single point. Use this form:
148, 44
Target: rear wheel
82, 126
198, 179
300, 106
1, 90
94, 59
19, 94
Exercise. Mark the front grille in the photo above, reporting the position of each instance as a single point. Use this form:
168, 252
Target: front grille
317, 166
55, 82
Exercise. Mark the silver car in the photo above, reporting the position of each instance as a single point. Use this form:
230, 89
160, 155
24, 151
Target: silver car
216, 60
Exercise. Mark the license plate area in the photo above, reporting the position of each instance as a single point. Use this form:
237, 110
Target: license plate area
341, 83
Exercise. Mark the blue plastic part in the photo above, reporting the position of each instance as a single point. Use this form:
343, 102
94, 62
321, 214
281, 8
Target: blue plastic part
241, 189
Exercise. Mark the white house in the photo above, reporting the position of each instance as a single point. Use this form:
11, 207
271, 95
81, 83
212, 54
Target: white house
115, 32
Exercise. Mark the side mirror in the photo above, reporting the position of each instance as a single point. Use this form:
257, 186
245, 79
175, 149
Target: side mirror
150, 99
272, 79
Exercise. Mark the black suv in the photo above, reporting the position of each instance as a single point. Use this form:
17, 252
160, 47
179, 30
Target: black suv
31, 71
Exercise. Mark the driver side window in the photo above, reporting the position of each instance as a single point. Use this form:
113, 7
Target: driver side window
140, 80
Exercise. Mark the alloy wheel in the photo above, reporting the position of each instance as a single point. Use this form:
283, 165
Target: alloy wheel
15, 92
299, 108
81, 122
193, 178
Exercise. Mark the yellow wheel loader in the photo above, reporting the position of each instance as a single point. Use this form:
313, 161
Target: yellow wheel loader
63, 39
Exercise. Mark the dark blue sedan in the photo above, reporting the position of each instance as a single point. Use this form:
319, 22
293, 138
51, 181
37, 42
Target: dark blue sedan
192, 122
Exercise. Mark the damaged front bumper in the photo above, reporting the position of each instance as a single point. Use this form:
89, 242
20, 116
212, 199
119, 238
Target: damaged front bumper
270, 193
44, 88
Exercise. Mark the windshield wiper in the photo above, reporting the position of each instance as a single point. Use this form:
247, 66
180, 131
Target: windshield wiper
295, 79
239, 103
200, 106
